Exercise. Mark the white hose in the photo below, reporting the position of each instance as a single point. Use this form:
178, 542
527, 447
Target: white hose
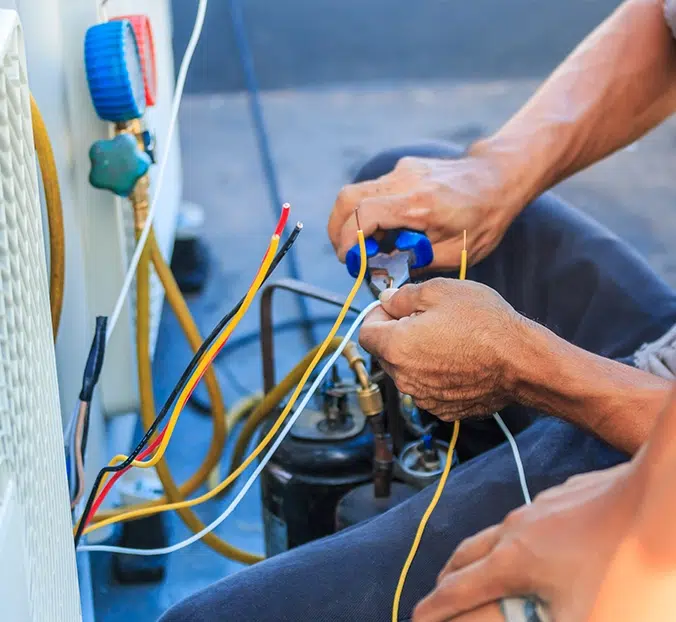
517, 457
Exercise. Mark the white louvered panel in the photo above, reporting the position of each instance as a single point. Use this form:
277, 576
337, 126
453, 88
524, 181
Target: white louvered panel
35, 534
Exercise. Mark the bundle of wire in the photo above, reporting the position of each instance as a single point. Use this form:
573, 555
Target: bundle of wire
74, 436
77, 430
262, 464
274, 429
188, 381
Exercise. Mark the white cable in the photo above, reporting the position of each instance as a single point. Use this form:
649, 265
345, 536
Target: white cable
517, 457
280, 437
69, 446
176, 103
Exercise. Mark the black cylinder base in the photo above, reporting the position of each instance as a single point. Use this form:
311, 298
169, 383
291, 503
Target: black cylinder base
360, 504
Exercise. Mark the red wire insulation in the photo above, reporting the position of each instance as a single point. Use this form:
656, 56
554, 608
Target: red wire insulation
111, 482
281, 224
283, 217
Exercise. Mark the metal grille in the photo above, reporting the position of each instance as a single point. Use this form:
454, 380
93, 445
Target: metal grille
31, 443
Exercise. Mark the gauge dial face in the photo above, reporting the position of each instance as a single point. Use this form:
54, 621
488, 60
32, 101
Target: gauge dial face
146, 48
134, 69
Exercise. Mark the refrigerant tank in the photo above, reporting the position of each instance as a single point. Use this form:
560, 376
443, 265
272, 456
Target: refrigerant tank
328, 452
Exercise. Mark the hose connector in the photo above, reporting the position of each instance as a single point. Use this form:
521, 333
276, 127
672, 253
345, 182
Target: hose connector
370, 400
357, 364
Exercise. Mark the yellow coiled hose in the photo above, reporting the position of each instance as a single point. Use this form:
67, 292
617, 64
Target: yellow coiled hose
57, 243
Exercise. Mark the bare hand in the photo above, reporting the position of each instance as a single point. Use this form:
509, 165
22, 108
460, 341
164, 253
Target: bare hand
448, 344
441, 198
558, 548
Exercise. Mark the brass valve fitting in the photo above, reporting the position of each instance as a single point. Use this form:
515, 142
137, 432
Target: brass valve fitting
357, 364
370, 400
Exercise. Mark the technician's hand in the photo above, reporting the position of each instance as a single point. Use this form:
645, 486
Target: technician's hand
442, 198
558, 549
448, 344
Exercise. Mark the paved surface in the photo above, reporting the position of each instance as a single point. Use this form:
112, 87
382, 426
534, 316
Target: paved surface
297, 43
478, 71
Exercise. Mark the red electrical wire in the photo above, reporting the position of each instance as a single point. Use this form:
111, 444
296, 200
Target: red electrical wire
283, 217
281, 224
111, 482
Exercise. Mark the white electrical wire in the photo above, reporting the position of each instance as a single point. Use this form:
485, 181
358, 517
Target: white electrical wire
280, 437
517, 457
69, 445
176, 103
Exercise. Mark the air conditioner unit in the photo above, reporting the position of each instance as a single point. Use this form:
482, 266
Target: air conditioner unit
38, 579
97, 224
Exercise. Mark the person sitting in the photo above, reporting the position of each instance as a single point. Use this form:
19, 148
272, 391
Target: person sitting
561, 322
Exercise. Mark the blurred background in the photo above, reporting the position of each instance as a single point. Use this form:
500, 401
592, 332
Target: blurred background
339, 80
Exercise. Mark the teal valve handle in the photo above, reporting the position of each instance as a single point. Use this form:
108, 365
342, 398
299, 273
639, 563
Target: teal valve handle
418, 244
117, 164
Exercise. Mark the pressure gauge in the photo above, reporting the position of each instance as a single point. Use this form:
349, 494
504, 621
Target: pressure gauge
114, 71
146, 47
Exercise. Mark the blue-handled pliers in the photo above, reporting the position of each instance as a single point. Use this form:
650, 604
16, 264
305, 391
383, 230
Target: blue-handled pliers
391, 258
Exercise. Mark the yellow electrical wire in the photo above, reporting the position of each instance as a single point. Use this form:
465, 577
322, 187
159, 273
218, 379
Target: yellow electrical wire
273, 430
221, 422
145, 381
440, 486
206, 360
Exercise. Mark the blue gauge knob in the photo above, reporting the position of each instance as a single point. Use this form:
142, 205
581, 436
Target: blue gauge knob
114, 71
117, 164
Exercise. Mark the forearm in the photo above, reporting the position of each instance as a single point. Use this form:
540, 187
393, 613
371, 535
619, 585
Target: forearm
615, 401
643, 562
618, 84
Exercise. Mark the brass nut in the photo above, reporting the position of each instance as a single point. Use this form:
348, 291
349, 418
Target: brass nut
370, 400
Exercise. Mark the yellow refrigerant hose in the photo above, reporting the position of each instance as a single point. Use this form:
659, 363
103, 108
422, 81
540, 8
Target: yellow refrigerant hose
237, 412
57, 244
145, 379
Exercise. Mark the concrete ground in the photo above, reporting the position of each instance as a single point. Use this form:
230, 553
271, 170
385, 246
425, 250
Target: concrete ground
296, 43
320, 134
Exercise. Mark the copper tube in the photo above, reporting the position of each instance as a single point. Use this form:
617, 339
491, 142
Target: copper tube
267, 329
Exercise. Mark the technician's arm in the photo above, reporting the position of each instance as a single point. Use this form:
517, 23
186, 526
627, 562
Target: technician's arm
617, 402
617, 85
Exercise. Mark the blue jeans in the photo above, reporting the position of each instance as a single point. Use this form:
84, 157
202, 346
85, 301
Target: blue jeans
554, 265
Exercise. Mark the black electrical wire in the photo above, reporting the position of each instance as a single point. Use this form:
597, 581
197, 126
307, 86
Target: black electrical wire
179, 386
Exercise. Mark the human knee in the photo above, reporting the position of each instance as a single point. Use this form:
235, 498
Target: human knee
385, 161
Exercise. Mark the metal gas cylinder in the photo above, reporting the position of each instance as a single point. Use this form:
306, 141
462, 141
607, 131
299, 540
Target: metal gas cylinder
327, 453
422, 462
